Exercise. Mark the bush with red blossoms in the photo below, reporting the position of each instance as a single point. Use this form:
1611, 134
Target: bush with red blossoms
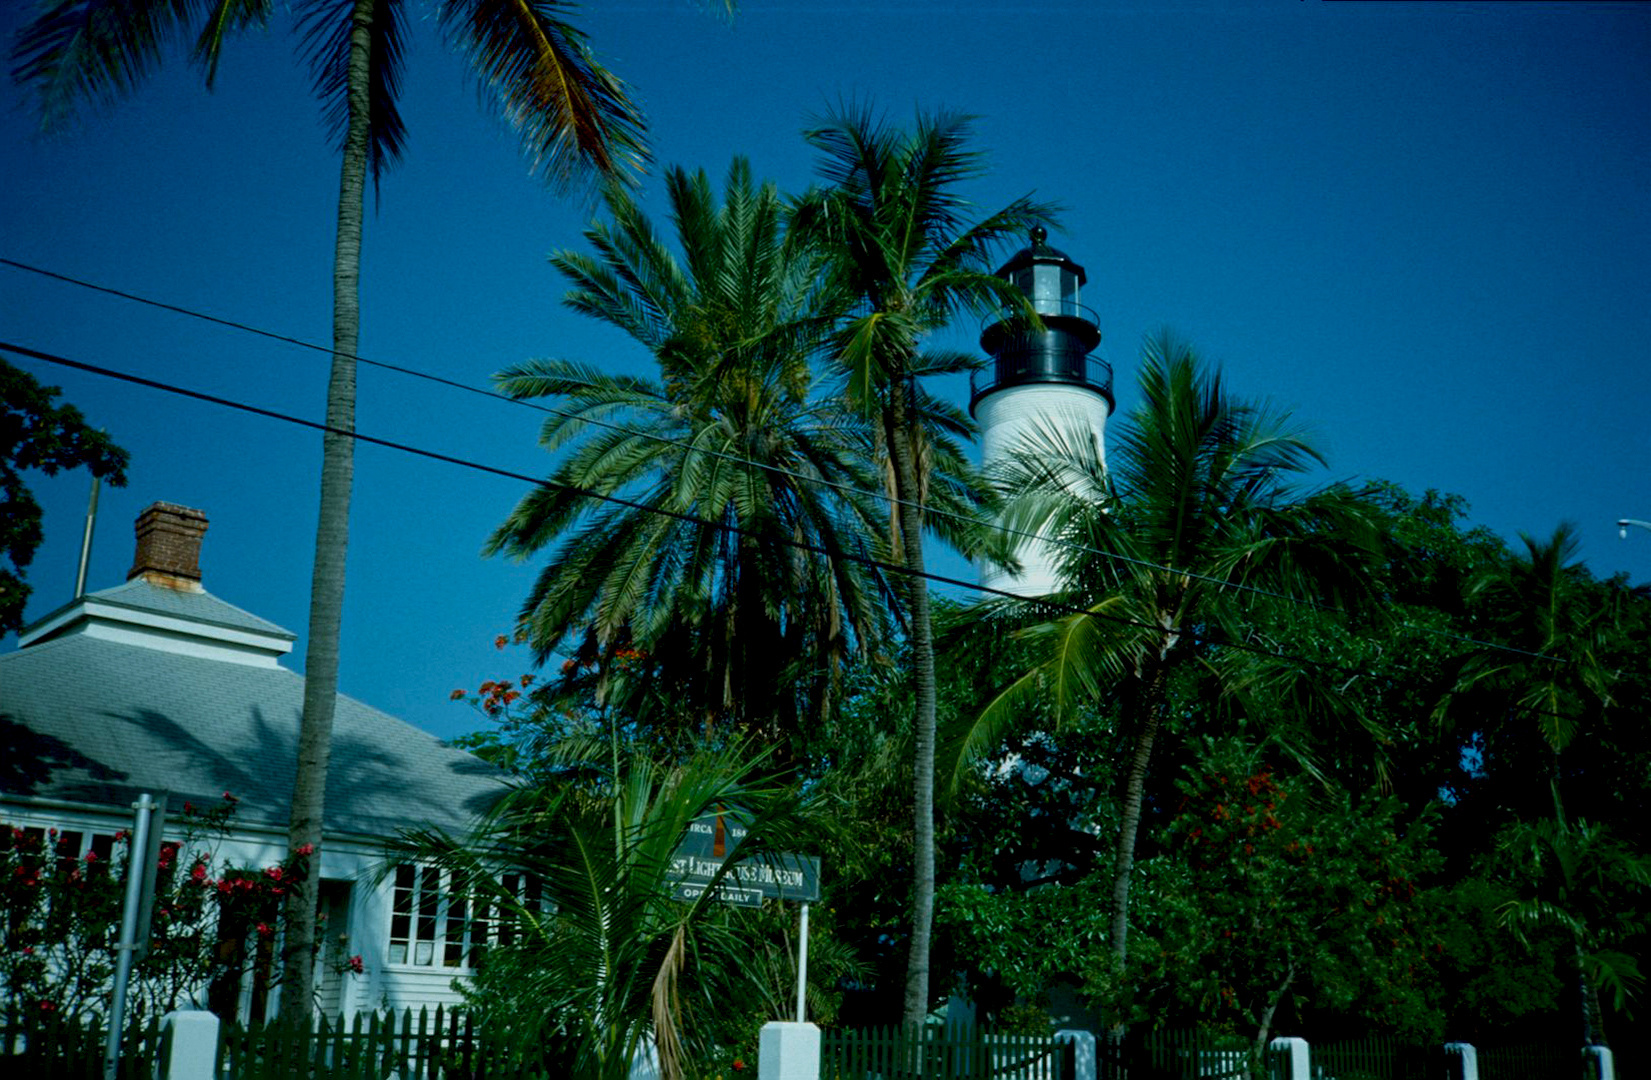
60, 914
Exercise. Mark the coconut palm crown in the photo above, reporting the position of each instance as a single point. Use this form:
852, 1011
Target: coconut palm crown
901, 255
741, 569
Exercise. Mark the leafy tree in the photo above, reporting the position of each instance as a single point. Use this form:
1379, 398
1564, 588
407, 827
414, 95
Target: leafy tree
1161, 549
39, 435
1268, 895
575, 120
900, 257
726, 577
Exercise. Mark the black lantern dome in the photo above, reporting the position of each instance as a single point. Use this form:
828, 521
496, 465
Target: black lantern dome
1059, 353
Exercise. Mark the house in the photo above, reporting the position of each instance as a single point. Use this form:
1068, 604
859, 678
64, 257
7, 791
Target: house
158, 686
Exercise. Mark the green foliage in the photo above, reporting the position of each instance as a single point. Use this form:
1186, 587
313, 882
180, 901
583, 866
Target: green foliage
1273, 892
38, 435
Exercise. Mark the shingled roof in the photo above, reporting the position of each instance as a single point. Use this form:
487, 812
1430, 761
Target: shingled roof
146, 687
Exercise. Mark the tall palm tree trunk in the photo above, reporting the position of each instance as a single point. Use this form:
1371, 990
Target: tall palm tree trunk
309, 787
907, 491
1150, 710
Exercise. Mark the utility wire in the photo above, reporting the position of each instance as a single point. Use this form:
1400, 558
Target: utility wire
778, 470
1046, 603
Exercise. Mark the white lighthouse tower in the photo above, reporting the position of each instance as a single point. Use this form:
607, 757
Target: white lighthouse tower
1039, 379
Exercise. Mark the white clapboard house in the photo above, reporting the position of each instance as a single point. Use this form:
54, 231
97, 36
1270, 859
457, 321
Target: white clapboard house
157, 685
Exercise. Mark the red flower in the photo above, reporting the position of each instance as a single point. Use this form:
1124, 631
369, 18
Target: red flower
527, 680
455, 695
739, 1064
28, 950
273, 873
199, 873
230, 798
91, 856
356, 965
264, 930
306, 849
500, 642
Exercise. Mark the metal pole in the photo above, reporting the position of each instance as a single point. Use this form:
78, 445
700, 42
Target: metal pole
135, 877
1623, 523
802, 967
86, 541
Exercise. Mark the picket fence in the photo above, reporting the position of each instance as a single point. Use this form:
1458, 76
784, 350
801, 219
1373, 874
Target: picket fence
445, 1045
51, 1046
941, 1053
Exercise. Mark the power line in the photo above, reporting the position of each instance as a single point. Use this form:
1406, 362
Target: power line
691, 519
777, 470
607, 425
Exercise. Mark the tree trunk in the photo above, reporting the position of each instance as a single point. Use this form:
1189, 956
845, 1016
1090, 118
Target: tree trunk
1150, 710
1258, 1048
907, 490
331, 540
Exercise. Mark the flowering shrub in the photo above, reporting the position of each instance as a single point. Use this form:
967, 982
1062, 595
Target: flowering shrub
60, 915
1275, 895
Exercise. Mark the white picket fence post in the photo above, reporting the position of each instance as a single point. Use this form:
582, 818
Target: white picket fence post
1598, 1063
788, 1051
1461, 1061
194, 1050
1292, 1057
1084, 1057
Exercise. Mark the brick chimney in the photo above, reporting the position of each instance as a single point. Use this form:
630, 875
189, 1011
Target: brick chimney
169, 547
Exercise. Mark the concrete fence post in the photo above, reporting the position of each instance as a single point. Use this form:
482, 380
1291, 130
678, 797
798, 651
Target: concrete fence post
1461, 1061
1598, 1064
1290, 1059
788, 1051
1084, 1058
193, 1053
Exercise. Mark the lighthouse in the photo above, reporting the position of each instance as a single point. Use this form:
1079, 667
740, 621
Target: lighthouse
1039, 379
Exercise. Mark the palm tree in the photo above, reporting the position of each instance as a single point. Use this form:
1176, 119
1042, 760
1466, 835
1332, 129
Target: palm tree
1159, 551
727, 577
574, 119
1581, 880
901, 259
602, 960
1556, 624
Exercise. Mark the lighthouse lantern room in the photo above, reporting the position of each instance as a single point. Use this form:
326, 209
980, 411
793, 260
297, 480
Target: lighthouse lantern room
1039, 379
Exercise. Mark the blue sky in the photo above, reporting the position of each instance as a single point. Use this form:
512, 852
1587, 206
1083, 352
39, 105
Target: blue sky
1423, 228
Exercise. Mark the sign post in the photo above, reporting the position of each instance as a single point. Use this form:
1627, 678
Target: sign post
141, 859
711, 842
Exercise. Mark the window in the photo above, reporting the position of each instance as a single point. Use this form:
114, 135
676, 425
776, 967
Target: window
436, 922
